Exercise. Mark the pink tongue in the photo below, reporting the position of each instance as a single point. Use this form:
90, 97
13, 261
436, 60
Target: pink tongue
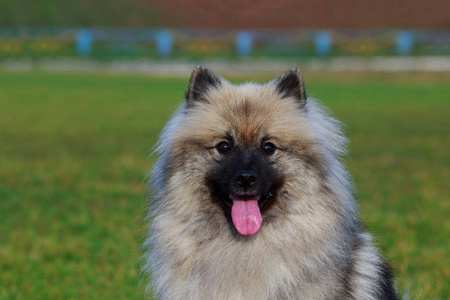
246, 215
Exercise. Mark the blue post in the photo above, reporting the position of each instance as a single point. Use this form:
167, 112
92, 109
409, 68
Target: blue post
84, 42
404, 42
323, 43
164, 43
244, 41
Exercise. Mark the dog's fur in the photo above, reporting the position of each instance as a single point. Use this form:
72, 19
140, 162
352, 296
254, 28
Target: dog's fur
311, 244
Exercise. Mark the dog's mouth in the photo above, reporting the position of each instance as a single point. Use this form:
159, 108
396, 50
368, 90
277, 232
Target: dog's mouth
228, 199
246, 214
246, 211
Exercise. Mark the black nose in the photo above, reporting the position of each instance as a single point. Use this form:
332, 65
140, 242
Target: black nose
246, 178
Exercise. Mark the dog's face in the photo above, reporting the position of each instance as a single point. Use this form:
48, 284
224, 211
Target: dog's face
248, 145
245, 178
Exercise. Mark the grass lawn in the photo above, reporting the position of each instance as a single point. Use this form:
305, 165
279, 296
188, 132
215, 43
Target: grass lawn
74, 155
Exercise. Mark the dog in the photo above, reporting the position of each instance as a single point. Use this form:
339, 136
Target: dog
250, 200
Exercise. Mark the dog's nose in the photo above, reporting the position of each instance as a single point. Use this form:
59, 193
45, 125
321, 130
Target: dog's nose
246, 178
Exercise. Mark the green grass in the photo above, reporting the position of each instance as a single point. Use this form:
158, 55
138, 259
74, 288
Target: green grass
74, 154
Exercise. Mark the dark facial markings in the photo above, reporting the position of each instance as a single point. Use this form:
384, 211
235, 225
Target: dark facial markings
244, 172
225, 147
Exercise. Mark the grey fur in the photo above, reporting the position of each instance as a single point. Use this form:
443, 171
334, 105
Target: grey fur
311, 244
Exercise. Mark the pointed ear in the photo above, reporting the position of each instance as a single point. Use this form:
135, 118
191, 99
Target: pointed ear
291, 84
202, 80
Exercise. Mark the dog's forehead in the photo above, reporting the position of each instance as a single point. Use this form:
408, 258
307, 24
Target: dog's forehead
246, 113
246, 101
250, 120
252, 112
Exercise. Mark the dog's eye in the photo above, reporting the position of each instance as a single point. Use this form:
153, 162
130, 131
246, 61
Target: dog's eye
223, 147
268, 148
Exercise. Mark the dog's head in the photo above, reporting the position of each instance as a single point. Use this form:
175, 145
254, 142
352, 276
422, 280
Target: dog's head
249, 145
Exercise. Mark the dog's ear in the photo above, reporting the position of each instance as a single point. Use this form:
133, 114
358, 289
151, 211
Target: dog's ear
291, 84
202, 80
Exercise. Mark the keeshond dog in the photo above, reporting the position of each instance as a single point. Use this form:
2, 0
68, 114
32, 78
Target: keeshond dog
250, 200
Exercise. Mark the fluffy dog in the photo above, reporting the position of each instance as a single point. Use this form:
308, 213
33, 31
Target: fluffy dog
249, 200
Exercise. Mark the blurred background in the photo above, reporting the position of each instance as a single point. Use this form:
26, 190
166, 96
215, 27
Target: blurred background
227, 30
86, 87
